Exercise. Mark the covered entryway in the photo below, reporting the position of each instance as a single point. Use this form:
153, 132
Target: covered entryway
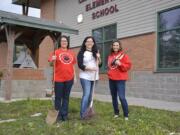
23, 30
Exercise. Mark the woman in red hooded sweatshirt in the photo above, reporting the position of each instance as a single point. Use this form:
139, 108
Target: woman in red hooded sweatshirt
118, 66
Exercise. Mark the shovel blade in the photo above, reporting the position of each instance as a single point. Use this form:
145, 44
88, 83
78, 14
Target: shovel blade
51, 116
89, 113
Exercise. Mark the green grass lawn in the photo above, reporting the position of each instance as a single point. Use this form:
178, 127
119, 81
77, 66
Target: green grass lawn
142, 121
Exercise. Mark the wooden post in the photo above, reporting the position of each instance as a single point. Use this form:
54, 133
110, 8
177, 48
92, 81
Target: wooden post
11, 36
55, 37
25, 8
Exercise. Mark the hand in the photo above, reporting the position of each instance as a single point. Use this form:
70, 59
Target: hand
98, 58
98, 55
113, 62
54, 57
92, 69
117, 62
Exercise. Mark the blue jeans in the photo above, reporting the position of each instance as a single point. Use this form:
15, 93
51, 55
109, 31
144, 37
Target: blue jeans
62, 92
117, 88
87, 87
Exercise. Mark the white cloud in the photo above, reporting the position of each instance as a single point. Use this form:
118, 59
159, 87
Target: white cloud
6, 5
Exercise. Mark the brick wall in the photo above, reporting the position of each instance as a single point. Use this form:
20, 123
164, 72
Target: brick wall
143, 82
161, 86
28, 88
46, 46
47, 9
142, 51
28, 74
3, 54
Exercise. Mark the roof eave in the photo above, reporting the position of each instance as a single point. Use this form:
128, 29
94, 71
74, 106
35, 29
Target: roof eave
38, 26
32, 3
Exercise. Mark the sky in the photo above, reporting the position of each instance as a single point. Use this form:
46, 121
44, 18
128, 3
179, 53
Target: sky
6, 5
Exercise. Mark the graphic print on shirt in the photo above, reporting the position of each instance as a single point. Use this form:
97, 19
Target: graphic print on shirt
65, 58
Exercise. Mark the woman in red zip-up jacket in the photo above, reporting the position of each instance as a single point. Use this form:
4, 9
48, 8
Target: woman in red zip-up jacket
118, 66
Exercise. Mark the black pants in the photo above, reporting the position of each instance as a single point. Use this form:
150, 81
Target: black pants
62, 93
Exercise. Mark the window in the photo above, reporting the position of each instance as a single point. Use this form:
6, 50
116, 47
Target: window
104, 37
169, 40
23, 57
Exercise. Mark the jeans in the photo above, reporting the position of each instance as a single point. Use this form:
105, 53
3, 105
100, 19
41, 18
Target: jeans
62, 92
87, 87
117, 88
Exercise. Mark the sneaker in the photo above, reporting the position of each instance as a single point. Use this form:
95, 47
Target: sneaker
116, 116
126, 118
57, 125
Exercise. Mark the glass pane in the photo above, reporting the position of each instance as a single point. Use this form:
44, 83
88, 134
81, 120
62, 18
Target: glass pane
98, 35
107, 49
169, 53
110, 32
17, 50
170, 19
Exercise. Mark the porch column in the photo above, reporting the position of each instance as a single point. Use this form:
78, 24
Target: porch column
10, 36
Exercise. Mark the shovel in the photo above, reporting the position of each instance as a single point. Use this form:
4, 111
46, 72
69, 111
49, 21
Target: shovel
51, 116
52, 113
89, 113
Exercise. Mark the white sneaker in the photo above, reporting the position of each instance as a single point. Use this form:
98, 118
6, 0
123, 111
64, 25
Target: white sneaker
126, 118
58, 125
116, 116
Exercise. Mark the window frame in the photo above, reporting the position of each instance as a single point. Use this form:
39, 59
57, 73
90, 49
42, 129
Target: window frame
103, 69
159, 69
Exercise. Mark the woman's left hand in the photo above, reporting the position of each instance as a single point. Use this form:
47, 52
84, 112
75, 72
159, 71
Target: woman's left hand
98, 58
117, 62
98, 55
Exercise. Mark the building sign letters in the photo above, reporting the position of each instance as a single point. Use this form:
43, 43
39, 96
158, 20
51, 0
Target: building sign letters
102, 12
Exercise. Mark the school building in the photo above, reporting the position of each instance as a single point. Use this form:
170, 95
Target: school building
148, 29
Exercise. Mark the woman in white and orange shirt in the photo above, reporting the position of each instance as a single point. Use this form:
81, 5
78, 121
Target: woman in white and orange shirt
118, 66
64, 60
87, 58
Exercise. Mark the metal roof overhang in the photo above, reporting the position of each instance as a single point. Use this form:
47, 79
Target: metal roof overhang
32, 3
21, 20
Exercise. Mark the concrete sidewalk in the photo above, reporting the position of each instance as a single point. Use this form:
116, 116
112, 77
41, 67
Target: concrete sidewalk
154, 104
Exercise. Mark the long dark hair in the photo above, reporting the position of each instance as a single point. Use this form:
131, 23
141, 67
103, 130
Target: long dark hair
94, 48
120, 46
63, 36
